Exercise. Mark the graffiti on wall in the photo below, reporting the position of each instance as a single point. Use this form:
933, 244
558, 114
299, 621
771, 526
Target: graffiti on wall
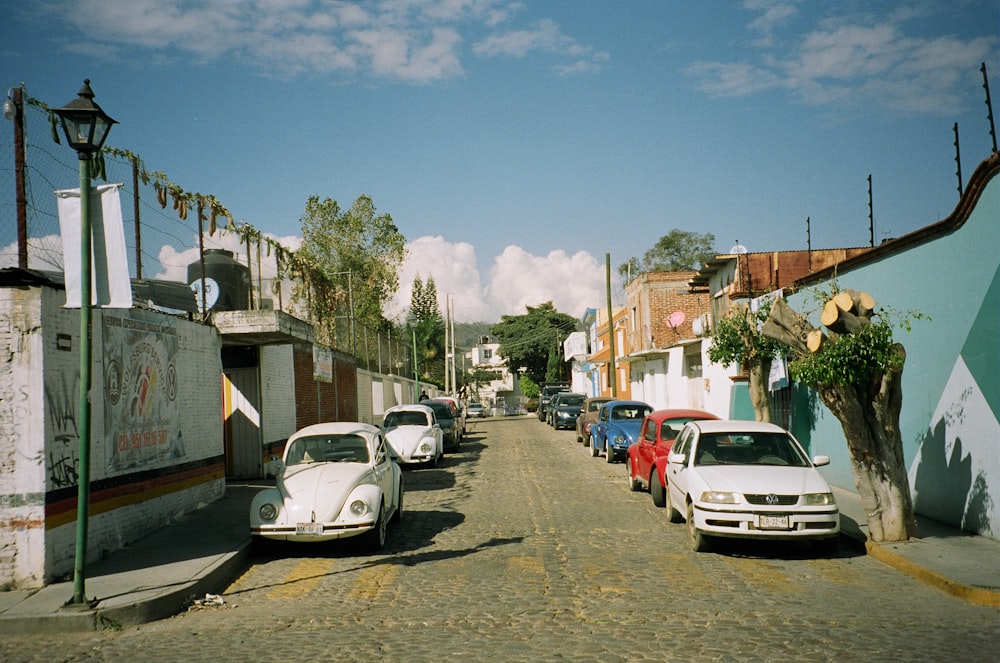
142, 418
62, 460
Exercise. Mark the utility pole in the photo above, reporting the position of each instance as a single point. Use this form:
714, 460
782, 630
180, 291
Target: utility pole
612, 370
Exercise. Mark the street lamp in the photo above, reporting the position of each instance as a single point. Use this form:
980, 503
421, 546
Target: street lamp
86, 127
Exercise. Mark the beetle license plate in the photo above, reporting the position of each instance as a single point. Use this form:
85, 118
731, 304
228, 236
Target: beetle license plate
308, 528
772, 522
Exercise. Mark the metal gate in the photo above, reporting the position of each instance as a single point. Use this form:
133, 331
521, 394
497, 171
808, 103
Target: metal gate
241, 425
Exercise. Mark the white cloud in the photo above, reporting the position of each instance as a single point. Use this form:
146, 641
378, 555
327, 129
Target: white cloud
517, 279
416, 42
857, 62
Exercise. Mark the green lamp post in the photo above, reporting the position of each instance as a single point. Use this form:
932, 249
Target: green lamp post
86, 126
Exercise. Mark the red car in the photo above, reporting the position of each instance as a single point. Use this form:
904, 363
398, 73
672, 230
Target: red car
647, 458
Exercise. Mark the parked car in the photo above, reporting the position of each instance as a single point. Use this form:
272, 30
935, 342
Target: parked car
616, 428
588, 416
444, 413
475, 410
458, 413
548, 391
748, 479
414, 434
646, 460
335, 480
565, 408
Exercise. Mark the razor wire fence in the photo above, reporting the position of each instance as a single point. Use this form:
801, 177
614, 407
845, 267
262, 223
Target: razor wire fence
169, 231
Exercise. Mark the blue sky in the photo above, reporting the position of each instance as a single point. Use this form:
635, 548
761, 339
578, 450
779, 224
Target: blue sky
515, 144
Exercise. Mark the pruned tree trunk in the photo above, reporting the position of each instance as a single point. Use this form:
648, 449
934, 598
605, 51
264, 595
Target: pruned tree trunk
869, 417
760, 396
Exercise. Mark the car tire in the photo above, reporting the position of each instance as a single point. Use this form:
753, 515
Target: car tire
673, 515
697, 540
594, 452
609, 453
398, 515
633, 485
374, 539
656, 489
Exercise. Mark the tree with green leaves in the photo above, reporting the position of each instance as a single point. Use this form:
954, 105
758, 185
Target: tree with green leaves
426, 326
855, 366
676, 251
356, 254
737, 339
527, 340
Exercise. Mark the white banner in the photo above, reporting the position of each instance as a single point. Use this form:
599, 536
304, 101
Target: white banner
111, 285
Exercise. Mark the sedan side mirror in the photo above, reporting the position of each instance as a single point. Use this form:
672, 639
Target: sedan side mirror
676, 458
819, 461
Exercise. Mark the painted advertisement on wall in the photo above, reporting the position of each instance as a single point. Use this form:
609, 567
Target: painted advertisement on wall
142, 416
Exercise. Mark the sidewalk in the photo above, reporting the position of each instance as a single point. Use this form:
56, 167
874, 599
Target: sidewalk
161, 574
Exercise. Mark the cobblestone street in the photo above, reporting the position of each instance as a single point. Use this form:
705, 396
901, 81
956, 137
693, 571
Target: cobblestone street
521, 547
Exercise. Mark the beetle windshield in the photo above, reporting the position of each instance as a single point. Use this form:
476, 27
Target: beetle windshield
405, 418
340, 448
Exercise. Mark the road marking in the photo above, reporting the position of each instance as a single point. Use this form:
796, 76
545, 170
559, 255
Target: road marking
373, 581
761, 574
302, 579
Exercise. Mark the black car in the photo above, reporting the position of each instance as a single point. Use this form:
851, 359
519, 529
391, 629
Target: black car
565, 408
446, 419
548, 391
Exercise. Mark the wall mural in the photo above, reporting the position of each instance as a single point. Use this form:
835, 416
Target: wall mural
142, 419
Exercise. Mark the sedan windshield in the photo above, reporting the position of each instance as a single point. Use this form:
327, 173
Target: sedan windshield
343, 448
748, 449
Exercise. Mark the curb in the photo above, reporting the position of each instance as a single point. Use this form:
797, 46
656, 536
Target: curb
978, 595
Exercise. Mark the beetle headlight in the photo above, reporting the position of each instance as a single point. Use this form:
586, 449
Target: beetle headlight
268, 512
719, 497
359, 508
426, 447
818, 499
620, 440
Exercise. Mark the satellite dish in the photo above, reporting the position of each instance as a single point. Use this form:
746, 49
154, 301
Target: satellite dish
738, 248
675, 319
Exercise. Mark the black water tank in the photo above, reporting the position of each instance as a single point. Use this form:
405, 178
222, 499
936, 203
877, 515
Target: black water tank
227, 282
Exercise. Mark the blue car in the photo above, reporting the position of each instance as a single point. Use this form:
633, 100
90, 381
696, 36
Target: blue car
617, 428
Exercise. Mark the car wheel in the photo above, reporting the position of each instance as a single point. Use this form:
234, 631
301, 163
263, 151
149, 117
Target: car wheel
697, 540
375, 538
656, 490
609, 452
633, 485
673, 515
398, 516
594, 452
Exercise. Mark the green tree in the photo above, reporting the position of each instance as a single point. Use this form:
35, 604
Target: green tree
554, 367
426, 325
855, 367
526, 340
737, 339
356, 253
676, 251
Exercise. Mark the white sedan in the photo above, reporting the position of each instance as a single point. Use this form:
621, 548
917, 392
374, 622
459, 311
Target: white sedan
748, 479
414, 434
335, 480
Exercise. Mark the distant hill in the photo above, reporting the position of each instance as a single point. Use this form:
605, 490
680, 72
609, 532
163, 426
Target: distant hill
467, 333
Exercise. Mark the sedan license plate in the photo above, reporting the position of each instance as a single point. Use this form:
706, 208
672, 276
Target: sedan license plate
308, 528
772, 522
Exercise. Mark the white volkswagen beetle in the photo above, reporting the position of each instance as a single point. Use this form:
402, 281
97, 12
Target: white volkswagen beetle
414, 434
336, 480
748, 479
